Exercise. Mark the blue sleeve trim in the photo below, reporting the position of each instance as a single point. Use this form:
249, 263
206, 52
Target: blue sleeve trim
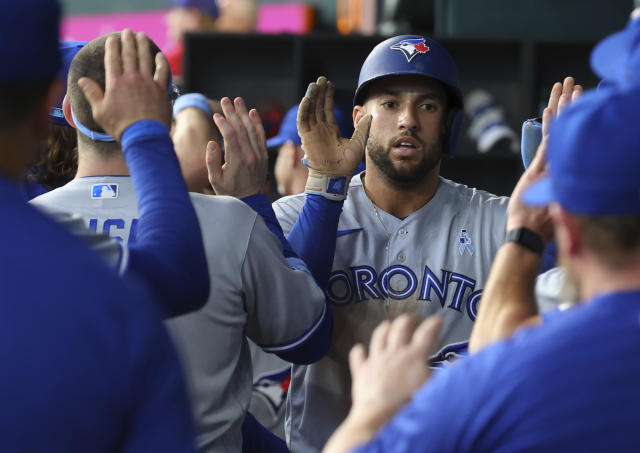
168, 253
313, 237
309, 347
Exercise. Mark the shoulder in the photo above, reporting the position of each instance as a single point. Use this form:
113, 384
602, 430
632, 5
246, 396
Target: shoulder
289, 204
221, 208
472, 196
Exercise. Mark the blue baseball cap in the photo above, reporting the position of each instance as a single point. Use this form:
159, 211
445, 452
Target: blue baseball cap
617, 57
29, 52
289, 130
209, 7
593, 156
68, 50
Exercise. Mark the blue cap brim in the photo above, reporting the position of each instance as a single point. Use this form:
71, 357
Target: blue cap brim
608, 55
540, 193
275, 142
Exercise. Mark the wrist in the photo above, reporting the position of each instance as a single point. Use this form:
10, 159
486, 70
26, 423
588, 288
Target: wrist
333, 187
194, 102
525, 238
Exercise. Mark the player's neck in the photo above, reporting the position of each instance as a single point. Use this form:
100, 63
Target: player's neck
92, 163
596, 278
399, 200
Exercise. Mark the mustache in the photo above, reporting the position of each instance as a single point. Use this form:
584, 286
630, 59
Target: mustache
407, 134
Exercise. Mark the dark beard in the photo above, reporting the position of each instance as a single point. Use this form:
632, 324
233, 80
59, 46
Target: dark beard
379, 155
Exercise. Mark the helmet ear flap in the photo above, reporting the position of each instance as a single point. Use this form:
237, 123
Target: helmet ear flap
454, 121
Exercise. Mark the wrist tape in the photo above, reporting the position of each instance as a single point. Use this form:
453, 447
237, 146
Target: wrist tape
333, 187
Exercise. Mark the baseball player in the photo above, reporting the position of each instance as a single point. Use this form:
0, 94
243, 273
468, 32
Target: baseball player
88, 365
557, 387
407, 240
254, 292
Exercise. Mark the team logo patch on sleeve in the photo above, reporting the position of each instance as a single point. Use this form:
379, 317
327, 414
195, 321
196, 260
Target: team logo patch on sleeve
465, 243
99, 191
411, 47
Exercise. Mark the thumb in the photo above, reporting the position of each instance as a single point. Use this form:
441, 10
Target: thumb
213, 158
92, 92
425, 338
361, 134
357, 357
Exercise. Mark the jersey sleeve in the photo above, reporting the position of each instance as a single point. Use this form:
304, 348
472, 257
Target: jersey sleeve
287, 311
312, 233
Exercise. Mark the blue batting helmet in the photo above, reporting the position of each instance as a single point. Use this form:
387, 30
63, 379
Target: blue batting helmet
416, 55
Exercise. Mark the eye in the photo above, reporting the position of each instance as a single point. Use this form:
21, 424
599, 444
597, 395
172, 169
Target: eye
388, 104
429, 107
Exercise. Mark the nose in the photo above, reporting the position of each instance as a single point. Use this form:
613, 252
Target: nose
408, 118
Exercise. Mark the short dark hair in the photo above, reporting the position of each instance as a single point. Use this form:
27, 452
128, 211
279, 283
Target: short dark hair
89, 62
613, 239
18, 100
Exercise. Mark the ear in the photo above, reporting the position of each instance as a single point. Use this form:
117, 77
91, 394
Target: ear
567, 231
66, 110
358, 112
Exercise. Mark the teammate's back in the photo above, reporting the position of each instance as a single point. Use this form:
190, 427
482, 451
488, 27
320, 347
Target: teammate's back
87, 365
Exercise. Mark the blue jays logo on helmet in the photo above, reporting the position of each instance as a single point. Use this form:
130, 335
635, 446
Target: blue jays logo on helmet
411, 47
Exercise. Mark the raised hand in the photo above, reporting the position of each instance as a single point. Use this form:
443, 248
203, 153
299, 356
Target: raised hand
324, 149
133, 91
244, 172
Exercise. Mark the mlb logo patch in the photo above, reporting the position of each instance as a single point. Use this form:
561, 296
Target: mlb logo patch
411, 47
99, 191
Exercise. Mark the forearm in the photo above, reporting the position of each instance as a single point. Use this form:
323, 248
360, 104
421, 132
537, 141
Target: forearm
508, 299
313, 237
168, 253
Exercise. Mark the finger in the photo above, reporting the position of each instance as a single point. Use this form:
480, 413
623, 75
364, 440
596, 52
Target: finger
312, 94
161, 76
401, 331
379, 338
129, 51
112, 61
320, 98
213, 158
554, 97
144, 55
262, 136
567, 86
92, 91
329, 104
243, 148
302, 120
231, 146
357, 356
360, 136
577, 92
425, 338
540, 159
565, 100
241, 110
547, 120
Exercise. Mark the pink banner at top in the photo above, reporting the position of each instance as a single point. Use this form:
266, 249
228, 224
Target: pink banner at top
90, 26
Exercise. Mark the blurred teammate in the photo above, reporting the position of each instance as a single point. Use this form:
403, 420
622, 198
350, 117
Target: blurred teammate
88, 365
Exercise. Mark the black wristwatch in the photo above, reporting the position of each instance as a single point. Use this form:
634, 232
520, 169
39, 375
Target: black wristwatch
526, 238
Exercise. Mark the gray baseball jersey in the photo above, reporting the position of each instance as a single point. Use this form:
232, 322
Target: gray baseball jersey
434, 261
254, 292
